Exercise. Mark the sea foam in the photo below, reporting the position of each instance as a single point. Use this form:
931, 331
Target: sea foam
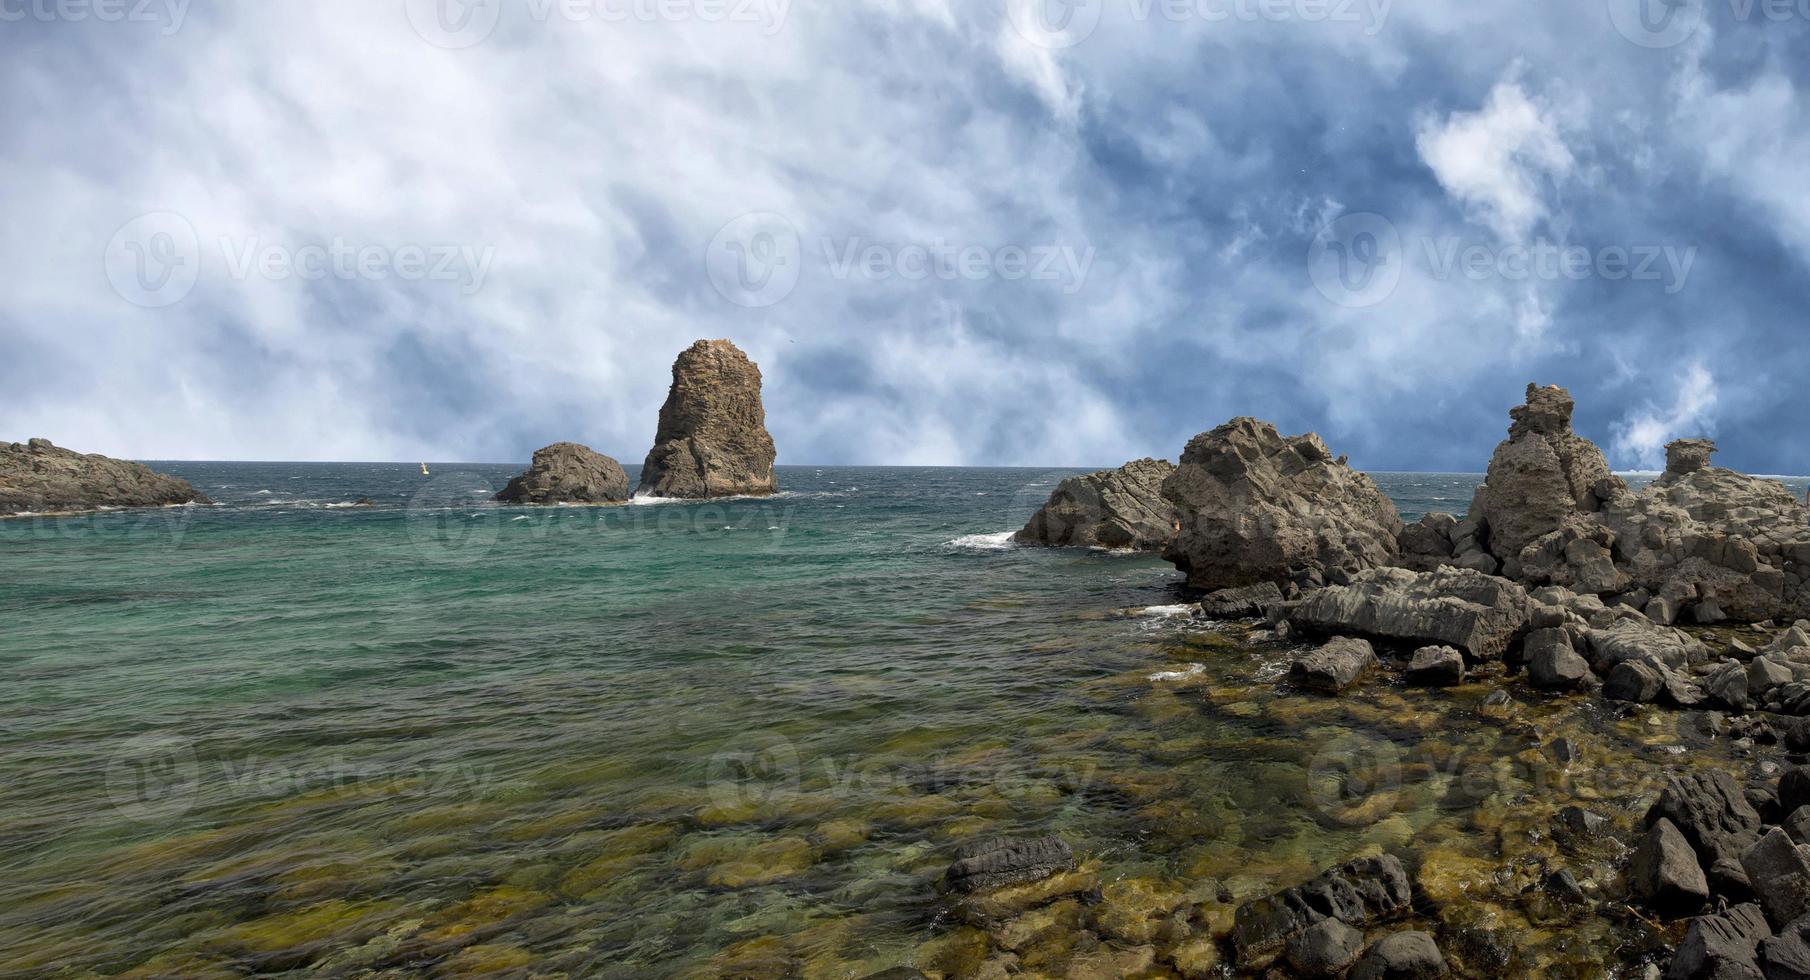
1000, 541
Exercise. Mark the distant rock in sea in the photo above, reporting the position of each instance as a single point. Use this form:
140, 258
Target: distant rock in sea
1120, 509
1256, 506
568, 473
37, 477
712, 440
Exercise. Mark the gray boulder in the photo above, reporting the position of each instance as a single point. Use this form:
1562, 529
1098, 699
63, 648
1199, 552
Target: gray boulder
1122, 509
1436, 667
1552, 662
1724, 946
1665, 875
1256, 506
1713, 813
1402, 956
39, 478
1479, 614
1786, 956
1634, 680
1360, 894
1325, 949
1334, 667
1241, 603
995, 862
1780, 876
1428, 543
712, 440
568, 473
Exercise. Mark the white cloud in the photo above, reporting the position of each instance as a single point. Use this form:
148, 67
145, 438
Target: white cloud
1641, 434
1497, 160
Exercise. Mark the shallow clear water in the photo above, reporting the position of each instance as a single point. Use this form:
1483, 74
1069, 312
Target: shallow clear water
295, 732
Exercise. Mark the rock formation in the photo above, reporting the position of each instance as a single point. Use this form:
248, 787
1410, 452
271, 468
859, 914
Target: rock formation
1541, 476
1121, 509
1476, 613
1255, 506
712, 440
568, 473
37, 477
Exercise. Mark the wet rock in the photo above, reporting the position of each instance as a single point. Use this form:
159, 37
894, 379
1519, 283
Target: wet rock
1712, 812
1196, 959
712, 439
1242, 603
37, 477
1255, 506
1665, 875
1133, 910
1780, 876
1334, 667
1436, 667
1634, 681
1724, 946
1119, 509
567, 473
1360, 894
1552, 662
1563, 886
1325, 949
995, 862
1402, 956
1582, 824
1476, 613
1428, 543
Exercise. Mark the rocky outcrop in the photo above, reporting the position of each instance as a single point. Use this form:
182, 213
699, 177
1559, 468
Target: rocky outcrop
1409, 955
1479, 614
1360, 894
1540, 476
996, 862
1333, 667
1257, 506
1724, 946
1122, 509
1250, 600
1712, 813
568, 473
39, 478
712, 440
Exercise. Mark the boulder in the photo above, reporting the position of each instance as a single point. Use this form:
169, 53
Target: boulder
1479, 614
712, 440
1242, 603
995, 862
1552, 662
1797, 825
1122, 509
1794, 788
1712, 812
1634, 680
1541, 475
1256, 506
568, 473
39, 478
1333, 667
1402, 956
1325, 949
1635, 637
1780, 877
1665, 875
1786, 956
1436, 667
1360, 894
1427, 543
1724, 946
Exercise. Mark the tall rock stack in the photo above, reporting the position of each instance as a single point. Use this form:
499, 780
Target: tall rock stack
1255, 506
712, 440
1540, 477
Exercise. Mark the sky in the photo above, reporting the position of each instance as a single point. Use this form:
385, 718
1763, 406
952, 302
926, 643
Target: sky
992, 232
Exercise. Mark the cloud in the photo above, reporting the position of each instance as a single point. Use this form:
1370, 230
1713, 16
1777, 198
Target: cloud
1642, 434
1499, 160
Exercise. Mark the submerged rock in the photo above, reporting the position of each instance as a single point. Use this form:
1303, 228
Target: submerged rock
1256, 506
1479, 614
1360, 894
568, 473
37, 477
712, 440
995, 862
1325, 949
1120, 509
1402, 956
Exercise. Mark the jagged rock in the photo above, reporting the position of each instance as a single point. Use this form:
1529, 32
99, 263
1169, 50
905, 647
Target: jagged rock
712, 440
1665, 875
1712, 812
1578, 555
1780, 876
1797, 825
1634, 680
1794, 788
1563, 887
1325, 949
1686, 456
1255, 506
1728, 685
1541, 475
1334, 667
1436, 666
39, 478
1402, 956
1242, 603
1786, 956
568, 473
1724, 946
1581, 824
1360, 894
1479, 614
1427, 543
995, 862
1636, 638
1122, 509
1552, 662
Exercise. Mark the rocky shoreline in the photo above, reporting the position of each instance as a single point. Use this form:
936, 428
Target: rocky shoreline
39, 478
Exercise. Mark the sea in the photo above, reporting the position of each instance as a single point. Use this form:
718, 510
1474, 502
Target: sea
354, 718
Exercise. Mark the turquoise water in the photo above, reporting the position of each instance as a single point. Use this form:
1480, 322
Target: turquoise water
300, 731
